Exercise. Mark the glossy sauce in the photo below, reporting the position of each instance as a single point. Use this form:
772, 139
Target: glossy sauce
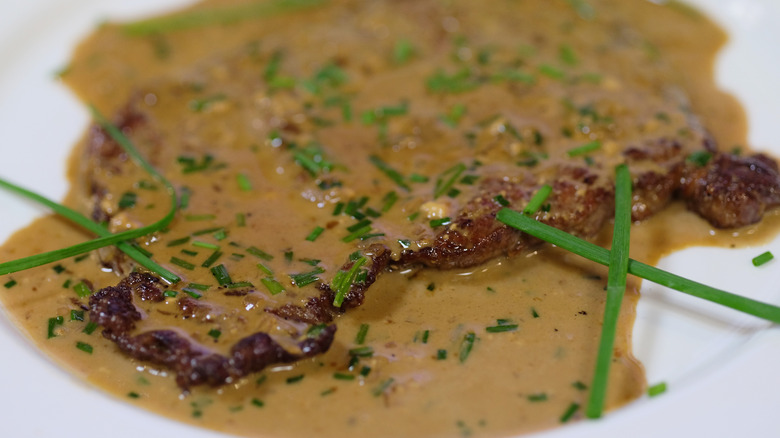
207, 91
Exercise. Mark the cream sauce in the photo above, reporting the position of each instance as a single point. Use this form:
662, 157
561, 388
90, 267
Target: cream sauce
208, 90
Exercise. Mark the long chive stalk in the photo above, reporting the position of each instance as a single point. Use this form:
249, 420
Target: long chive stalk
600, 255
616, 287
83, 221
106, 238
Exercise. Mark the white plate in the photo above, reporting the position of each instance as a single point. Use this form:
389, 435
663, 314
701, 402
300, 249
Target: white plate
721, 367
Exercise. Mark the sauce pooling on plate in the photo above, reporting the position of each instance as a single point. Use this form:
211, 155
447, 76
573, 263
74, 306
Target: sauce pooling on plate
305, 136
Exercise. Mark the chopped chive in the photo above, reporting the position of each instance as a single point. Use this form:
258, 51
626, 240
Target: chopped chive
206, 245
616, 287
762, 258
343, 376
259, 253
273, 286
343, 280
180, 241
360, 338
90, 327
211, 259
388, 201
182, 263
551, 72
358, 225
192, 292
294, 379
257, 403
198, 218
365, 351
501, 328
170, 293
502, 201
215, 333
83, 346
445, 181
600, 255
266, 270
356, 234
469, 180
379, 390
221, 274
133, 394
127, 200
306, 278
537, 199
338, 209
206, 231
9, 284
391, 173
699, 158
365, 371
240, 220
58, 269
243, 182
402, 51
579, 385
570, 411
584, 149
466, 345
441, 354
540, 397
52, 325
189, 252
657, 389
534, 313
315, 233
77, 315
198, 286
440, 222
82, 290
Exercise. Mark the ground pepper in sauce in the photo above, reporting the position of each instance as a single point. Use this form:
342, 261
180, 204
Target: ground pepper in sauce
278, 128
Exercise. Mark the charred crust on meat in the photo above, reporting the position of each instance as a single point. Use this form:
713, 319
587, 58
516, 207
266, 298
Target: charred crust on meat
112, 308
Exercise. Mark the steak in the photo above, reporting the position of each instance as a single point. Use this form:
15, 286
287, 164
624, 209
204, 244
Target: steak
288, 195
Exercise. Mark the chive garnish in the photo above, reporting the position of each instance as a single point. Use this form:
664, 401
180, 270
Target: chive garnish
616, 287
77, 315
206, 245
538, 199
360, 338
762, 258
699, 158
179, 241
182, 263
570, 411
657, 389
221, 274
306, 278
441, 354
584, 149
466, 345
600, 255
106, 238
259, 253
379, 390
500, 328
211, 259
343, 376
90, 327
366, 351
52, 325
445, 181
82, 290
440, 222
343, 281
83, 346
273, 286
501, 200
9, 284
389, 172
315, 233
243, 182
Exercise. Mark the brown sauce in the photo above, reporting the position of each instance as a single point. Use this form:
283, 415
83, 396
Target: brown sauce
419, 382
